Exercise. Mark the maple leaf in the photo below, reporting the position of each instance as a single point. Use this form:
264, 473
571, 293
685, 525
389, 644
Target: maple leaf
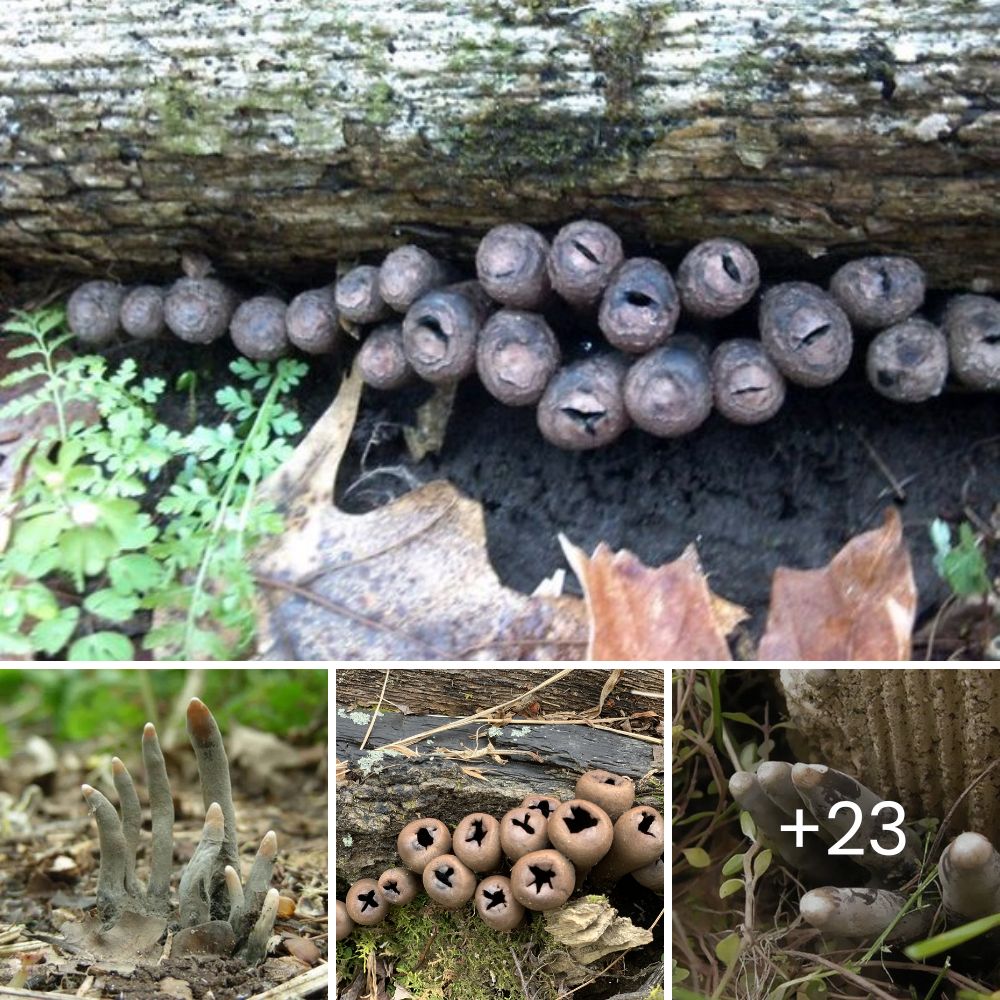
860, 606
640, 613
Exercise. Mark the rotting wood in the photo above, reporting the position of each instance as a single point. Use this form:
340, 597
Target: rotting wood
305, 985
278, 137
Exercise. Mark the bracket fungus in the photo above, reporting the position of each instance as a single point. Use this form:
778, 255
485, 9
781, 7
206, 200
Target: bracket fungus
211, 888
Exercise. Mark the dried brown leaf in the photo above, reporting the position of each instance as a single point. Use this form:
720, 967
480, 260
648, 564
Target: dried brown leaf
411, 580
640, 613
860, 606
473, 772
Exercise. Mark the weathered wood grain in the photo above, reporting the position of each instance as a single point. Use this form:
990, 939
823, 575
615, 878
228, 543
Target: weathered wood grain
278, 136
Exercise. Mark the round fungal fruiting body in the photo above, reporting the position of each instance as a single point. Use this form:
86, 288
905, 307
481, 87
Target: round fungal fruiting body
876, 292
651, 876
258, 328
542, 880
583, 407
141, 312
805, 332
440, 332
398, 886
583, 257
516, 356
970, 877
582, 831
365, 904
198, 310
476, 842
668, 392
908, 362
545, 804
747, 387
717, 277
638, 840
311, 321
449, 882
421, 841
92, 312
382, 360
343, 923
512, 266
496, 905
522, 831
972, 326
614, 793
357, 295
406, 274
640, 306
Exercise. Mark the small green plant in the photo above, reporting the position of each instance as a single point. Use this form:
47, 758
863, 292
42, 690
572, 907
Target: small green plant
963, 565
84, 551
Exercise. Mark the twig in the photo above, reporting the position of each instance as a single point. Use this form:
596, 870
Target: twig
381, 695
852, 977
614, 961
897, 486
313, 981
635, 736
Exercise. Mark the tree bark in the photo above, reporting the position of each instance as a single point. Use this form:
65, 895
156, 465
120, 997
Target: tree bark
278, 137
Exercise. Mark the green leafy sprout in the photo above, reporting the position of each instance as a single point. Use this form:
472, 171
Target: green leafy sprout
86, 553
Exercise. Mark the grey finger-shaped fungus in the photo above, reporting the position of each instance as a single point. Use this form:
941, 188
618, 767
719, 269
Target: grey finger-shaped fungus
542, 880
811, 858
258, 329
421, 841
408, 273
877, 292
522, 831
237, 898
583, 407
141, 312
161, 807
805, 332
476, 842
365, 903
651, 876
775, 780
583, 257
256, 944
440, 331
972, 325
343, 924
863, 914
257, 885
908, 362
131, 820
614, 793
198, 308
516, 356
637, 841
311, 321
512, 266
449, 882
970, 877
196, 892
111, 897
382, 359
496, 905
398, 886
822, 788
357, 295
640, 306
668, 392
545, 804
93, 310
717, 277
747, 386
213, 769
583, 832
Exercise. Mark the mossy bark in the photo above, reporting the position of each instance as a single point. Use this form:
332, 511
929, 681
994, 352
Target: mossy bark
280, 137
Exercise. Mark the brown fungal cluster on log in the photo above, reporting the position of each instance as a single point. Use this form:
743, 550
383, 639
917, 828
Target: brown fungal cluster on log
551, 847
644, 363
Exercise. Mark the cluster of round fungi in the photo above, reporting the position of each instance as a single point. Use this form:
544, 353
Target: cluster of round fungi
416, 321
552, 846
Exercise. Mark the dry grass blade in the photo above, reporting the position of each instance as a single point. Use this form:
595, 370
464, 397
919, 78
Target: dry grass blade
309, 983
381, 695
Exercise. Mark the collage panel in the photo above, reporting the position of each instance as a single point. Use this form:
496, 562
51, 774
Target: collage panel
499, 833
836, 833
164, 833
